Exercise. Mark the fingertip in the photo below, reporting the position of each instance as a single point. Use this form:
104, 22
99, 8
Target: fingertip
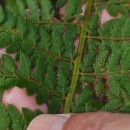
47, 122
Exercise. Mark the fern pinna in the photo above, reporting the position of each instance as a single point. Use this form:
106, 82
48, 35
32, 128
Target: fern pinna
95, 76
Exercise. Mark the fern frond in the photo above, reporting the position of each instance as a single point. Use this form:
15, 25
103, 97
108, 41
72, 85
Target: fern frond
9, 19
15, 44
4, 118
45, 38
1, 14
17, 121
73, 9
50, 65
12, 119
47, 10
24, 69
9, 64
34, 13
21, 8
69, 39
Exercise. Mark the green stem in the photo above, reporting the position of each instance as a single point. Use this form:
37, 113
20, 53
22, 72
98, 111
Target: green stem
109, 38
4, 29
54, 56
39, 84
57, 23
113, 2
78, 59
106, 73
7, 75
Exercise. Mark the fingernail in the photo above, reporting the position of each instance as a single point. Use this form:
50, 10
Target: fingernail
48, 122
65, 115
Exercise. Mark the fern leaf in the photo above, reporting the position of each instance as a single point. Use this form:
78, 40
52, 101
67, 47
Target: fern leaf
17, 121
100, 87
15, 45
89, 59
7, 83
47, 10
31, 89
124, 10
24, 69
57, 43
125, 78
45, 38
20, 24
113, 9
83, 98
33, 10
1, 14
5, 39
9, 64
29, 115
55, 105
125, 98
42, 95
63, 73
4, 118
60, 3
9, 20
117, 28
125, 109
93, 105
113, 60
126, 59
112, 105
40, 69
100, 62
27, 46
93, 25
125, 29
115, 85
31, 31
50, 80
73, 9
21, 82
21, 8
69, 39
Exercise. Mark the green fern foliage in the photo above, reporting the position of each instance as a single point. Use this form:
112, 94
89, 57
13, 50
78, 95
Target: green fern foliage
5, 119
73, 9
1, 14
47, 10
68, 61
12, 119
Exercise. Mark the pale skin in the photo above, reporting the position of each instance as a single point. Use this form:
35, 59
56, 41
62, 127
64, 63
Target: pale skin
85, 121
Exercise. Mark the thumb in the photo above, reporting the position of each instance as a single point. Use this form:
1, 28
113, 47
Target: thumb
84, 121
48, 122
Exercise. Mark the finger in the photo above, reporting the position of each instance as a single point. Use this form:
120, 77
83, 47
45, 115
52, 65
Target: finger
48, 122
18, 98
85, 121
98, 121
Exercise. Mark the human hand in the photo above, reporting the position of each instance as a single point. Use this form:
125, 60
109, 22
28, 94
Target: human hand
84, 121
